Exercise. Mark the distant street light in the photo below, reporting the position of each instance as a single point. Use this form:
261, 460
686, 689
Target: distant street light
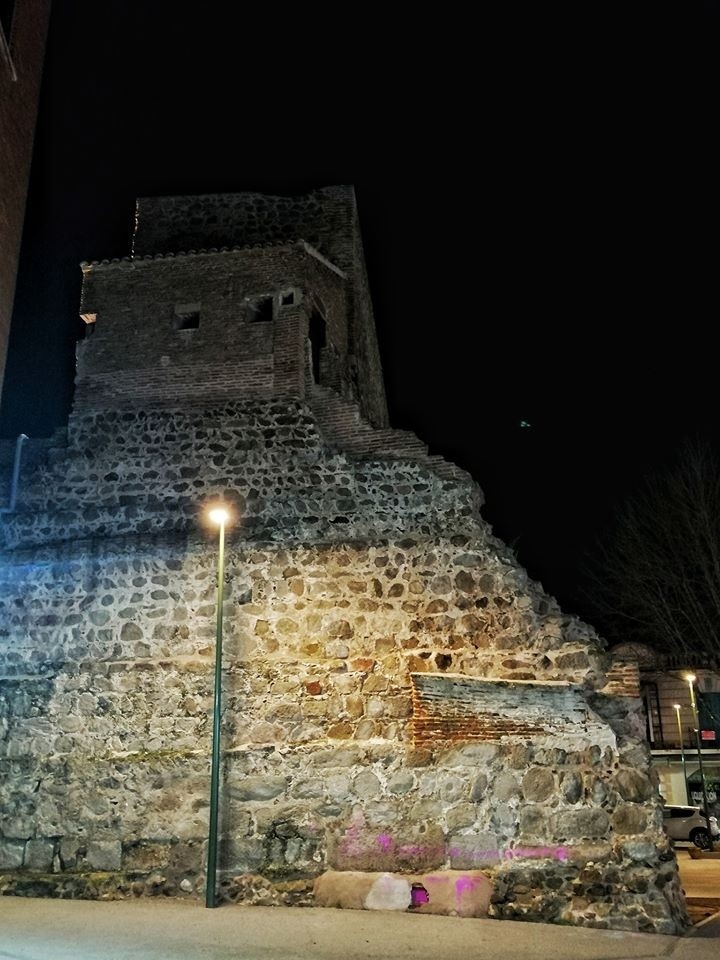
677, 708
219, 516
690, 677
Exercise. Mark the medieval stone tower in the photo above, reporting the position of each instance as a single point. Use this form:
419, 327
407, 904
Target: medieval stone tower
399, 696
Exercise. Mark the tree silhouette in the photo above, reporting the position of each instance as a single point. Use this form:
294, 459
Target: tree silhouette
656, 577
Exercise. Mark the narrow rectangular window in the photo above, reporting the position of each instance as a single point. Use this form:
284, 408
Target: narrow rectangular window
260, 310
187, 316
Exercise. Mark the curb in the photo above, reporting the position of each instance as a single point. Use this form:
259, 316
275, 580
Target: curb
694, 930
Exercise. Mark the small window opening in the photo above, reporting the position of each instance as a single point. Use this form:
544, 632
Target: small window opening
287, 299
187, 316
188, 321
316, 333
261, 310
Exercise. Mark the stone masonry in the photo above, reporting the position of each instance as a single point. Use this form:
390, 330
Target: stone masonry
399, 697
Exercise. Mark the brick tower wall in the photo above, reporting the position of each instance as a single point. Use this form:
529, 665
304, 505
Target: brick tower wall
137, 353
327, 219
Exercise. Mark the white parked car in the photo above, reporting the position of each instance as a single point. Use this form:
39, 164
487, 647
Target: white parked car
688, 823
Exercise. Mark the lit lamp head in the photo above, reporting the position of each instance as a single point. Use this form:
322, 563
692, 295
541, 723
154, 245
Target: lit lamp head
219, 516
676, 706
691, 678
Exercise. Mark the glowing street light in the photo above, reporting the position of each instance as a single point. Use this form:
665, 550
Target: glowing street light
219, 516
677, 708
690, 677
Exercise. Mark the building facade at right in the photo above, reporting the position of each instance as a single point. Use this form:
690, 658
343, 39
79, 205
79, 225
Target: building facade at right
670, 724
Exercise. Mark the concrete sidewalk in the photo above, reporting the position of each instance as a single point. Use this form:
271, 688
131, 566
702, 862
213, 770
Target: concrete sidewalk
33, 929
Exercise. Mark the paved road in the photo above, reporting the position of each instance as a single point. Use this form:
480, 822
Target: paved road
171, 930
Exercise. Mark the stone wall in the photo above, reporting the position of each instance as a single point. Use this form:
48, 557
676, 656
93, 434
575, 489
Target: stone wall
398, 695
173, 224
345, 578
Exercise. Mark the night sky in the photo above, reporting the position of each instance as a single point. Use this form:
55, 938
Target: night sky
539, 203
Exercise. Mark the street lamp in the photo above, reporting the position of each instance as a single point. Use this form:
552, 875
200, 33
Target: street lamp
677, 708
690, 677
219, 516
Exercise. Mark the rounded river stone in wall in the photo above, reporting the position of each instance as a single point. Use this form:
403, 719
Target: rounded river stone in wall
538, 784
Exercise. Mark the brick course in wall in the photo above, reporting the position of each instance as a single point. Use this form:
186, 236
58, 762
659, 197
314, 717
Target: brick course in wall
454, 708
623, 678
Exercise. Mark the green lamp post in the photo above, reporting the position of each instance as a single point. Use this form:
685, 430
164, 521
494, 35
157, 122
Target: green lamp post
677, 708
218, 516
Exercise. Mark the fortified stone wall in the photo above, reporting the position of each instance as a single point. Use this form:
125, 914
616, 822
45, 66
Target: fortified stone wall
398, 695
343, 582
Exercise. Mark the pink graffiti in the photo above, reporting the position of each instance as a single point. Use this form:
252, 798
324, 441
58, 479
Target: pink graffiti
354, 844
462, 885
412, 850
385, 841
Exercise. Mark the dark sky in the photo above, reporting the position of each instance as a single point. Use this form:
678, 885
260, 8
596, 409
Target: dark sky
538, 193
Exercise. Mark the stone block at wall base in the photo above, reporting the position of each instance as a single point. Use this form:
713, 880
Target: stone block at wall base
451, 892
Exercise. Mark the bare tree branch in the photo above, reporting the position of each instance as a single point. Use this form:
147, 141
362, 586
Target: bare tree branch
657, 577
